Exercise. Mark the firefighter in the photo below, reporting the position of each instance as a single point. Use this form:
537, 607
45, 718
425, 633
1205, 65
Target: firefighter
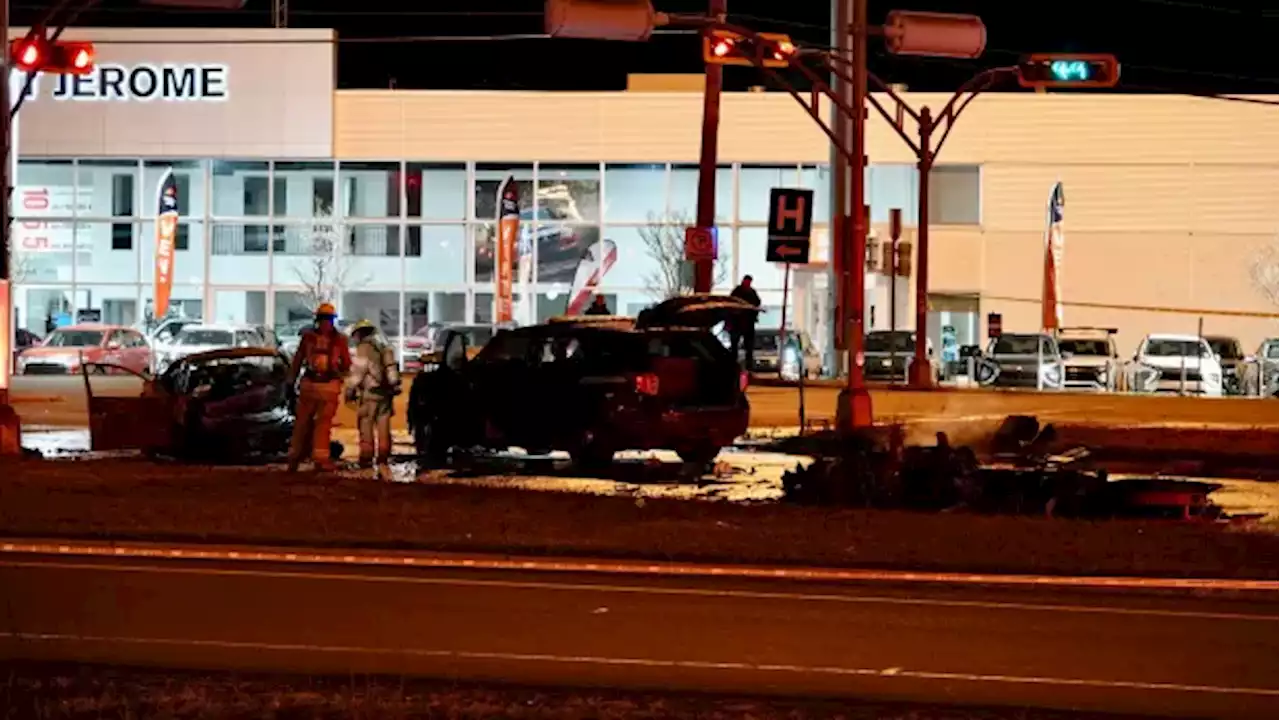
318, 369
372, 385
598, 307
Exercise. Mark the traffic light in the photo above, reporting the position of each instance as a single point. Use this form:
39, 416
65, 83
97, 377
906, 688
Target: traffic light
36, 54
1052, 70
723, 47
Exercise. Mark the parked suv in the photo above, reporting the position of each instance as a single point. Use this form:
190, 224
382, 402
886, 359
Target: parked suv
194, 339
1089, 359
1186, 365
591, 388
889, 354
1023, 360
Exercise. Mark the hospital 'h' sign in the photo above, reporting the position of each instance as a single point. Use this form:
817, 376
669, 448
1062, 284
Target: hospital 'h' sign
790, 221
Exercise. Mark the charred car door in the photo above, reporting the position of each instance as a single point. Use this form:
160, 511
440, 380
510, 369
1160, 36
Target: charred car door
122, 418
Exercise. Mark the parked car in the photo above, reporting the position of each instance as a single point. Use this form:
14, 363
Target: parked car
1023, 360
23, 339
1231, 358
888, 355
800, 352
1260, 375
204, 338
1185, 365
66, 348
1090, 359
588, 387
424, 347
161, 335
224, 405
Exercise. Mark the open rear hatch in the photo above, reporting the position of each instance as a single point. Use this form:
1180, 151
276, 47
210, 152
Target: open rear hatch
703, 311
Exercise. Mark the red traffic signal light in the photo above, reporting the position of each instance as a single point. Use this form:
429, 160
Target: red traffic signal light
723, 47
36, 54
1062, 70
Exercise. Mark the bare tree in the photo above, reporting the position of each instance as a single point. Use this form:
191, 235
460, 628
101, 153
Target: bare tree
326, 271
1264, 270
672, 275
20, 268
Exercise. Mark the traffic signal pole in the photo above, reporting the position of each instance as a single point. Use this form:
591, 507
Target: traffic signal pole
703, 270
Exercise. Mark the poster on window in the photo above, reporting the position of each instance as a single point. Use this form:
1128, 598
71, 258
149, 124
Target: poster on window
505, 252
596, 262
166, 231
35, 229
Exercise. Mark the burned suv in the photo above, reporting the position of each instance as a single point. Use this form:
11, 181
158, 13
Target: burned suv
589, 386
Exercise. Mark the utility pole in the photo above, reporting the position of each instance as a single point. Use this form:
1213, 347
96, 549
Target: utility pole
703, 269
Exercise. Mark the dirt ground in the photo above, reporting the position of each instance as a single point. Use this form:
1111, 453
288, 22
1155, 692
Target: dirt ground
95, 692
138, 500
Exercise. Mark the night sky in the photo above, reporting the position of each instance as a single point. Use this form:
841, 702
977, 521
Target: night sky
1163, 45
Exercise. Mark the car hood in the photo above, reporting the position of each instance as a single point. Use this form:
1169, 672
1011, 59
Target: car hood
697, 311
58, 353
1177, 363
185, 350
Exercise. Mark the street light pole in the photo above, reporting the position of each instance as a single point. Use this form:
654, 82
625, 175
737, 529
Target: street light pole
703, 269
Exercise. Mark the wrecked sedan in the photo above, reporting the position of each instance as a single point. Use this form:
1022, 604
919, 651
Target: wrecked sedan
589, 386
221, 405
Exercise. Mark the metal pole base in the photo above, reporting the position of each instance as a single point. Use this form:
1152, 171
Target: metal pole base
853, 410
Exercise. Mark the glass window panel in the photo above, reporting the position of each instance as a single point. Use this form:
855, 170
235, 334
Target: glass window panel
107, 188
42, 309
436, 191
188, 262
303, 189
45, 188
954, 195
682, 206
818, 179
95, 258
754, 184
370, 256
380, 308
185, 301
484, 307
555, 303
752, 244
643, 252
240, 306
427, 308
239, 253
116, 305
293, 310
39, 263
379, 240
369, 189
190, 180
893, 185
568, 193
561, 249
240, 188
635, 193
482, 238
489, 177
441, 254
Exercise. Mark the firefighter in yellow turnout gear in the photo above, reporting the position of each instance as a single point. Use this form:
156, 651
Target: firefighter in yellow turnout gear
319, 366
371, 386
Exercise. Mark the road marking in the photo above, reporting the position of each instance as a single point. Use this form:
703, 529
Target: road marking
644, 662
662, 569
645, 590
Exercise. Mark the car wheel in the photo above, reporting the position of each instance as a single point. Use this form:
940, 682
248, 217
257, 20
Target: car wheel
702, 456
430, 447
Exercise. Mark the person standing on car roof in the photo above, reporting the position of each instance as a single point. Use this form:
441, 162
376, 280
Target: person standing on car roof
372, 385
319, 367
742, 333
598, 307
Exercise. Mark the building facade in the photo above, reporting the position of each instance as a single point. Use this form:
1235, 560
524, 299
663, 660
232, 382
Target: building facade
291, 190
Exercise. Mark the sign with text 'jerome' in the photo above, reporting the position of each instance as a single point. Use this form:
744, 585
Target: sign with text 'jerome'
143, 82
790, 222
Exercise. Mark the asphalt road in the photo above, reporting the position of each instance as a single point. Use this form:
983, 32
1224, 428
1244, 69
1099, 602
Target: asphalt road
1178, 655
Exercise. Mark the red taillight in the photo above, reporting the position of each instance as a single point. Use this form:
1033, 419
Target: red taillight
647, 384
744, 378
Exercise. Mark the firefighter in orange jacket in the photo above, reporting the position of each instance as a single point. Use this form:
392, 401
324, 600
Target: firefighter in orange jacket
322, 362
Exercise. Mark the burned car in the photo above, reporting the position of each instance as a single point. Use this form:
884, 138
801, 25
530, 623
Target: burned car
228, 404
589, 386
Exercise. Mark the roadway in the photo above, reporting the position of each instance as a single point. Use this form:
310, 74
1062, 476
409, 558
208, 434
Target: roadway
60, 402
1205, 654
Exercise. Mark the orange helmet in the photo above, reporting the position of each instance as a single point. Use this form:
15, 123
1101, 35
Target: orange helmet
326, 310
